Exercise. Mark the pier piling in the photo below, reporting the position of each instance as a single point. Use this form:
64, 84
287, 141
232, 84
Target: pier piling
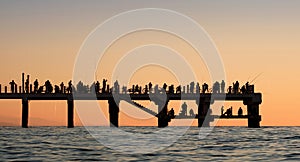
25, 112
113, 105
163, 120
70, 113
253, 110
203, 111
254, 117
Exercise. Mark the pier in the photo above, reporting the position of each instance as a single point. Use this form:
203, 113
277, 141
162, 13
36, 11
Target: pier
160, 96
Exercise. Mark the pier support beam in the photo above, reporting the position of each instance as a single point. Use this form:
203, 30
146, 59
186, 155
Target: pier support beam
204, 112
70, 113
25, 112
113, 105
253, 110
162, 116
161, 100
253, 116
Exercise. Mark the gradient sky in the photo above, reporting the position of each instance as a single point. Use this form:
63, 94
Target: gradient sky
42, 38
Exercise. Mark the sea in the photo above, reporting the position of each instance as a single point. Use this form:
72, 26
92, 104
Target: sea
149, 144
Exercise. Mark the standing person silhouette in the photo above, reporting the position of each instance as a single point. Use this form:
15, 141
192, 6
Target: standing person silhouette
36, 86
204, 88
150, 87
236, 87
104, 85
27, 85
184, 109
197, 88
222, 86
70, 86
116, 87
12, 86
97, 87
192, 84
62, 87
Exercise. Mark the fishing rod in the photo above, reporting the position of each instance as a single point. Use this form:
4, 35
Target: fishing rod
256, 77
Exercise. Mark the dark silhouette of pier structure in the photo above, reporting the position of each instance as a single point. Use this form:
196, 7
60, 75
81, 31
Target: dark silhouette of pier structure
203, 97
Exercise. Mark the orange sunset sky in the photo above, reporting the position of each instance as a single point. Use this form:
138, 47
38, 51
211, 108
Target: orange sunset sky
256, 40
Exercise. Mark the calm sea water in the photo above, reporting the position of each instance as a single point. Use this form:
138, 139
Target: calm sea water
222, 144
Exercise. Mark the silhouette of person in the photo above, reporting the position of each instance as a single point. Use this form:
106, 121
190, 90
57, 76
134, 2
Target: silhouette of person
229, 89
236, 86
27, 85
243, 89
247, 87
56, 89
137, 88
41, 89
204, 88
165, 87
117, 87
240, 112
80, 87
192, 112
184, 109
192, 85
104, 85
178, 89
216, 87
124, 89
12, 86
146, 89
197, 88
222, 110
49, 87
150, 87
172, 113
227, 112
108, 89
140, 90
222, 86
132, 89
171, 89
97, 87
70, 89
62, 86
36, 86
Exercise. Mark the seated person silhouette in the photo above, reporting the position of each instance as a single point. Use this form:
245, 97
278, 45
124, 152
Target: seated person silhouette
240, 112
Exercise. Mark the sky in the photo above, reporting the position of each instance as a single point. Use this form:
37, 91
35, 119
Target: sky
257, 41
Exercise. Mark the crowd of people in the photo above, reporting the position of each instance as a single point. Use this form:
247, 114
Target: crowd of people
184, 111
96, 87
228, 112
